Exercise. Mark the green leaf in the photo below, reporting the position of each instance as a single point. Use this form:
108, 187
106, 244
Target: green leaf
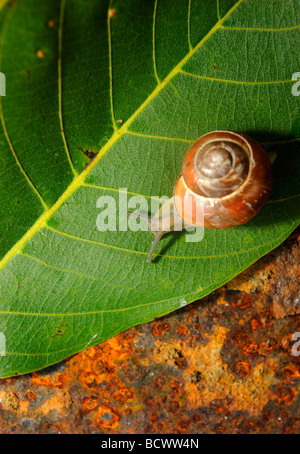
135, 81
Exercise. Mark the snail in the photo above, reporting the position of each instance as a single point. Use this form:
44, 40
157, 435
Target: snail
225, 180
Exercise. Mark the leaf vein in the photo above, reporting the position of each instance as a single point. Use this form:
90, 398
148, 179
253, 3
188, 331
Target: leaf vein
261, 29
63, 270
153, 41
110, 66
59, 67
239, 82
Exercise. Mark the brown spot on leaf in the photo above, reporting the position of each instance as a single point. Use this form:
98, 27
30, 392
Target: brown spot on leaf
40, 53
90, 154
51, 23
112, 13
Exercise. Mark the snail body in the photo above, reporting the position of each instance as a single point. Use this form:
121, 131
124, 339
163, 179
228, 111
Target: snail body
225, 180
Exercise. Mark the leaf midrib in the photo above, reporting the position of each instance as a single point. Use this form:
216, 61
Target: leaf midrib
116, 136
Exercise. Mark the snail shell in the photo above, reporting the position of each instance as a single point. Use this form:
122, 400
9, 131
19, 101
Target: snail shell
226, 178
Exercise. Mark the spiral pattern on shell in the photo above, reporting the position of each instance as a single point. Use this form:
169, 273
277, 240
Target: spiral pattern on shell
226, 179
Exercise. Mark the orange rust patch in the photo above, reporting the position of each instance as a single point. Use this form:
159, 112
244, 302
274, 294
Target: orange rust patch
60, 403
10, 401
57, 380
106, 418
182, 331
30, 395
160, 328
291, 371
89, 403
285, 395
249, 390
243, 302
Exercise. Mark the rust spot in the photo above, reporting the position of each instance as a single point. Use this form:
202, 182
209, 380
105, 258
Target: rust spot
195, 376
175, 388
242, 368
30, 395
266, 317
267, 347
285, 395
250, 349
291, 371
219, 429
50, 428
106, 418
182, 331
159, 382
173, 406
255, 324
251, 426
160, 328
102, 367
89, 403
242, 302
292, 426
181, 361
220, 405
183, 425
239, 337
